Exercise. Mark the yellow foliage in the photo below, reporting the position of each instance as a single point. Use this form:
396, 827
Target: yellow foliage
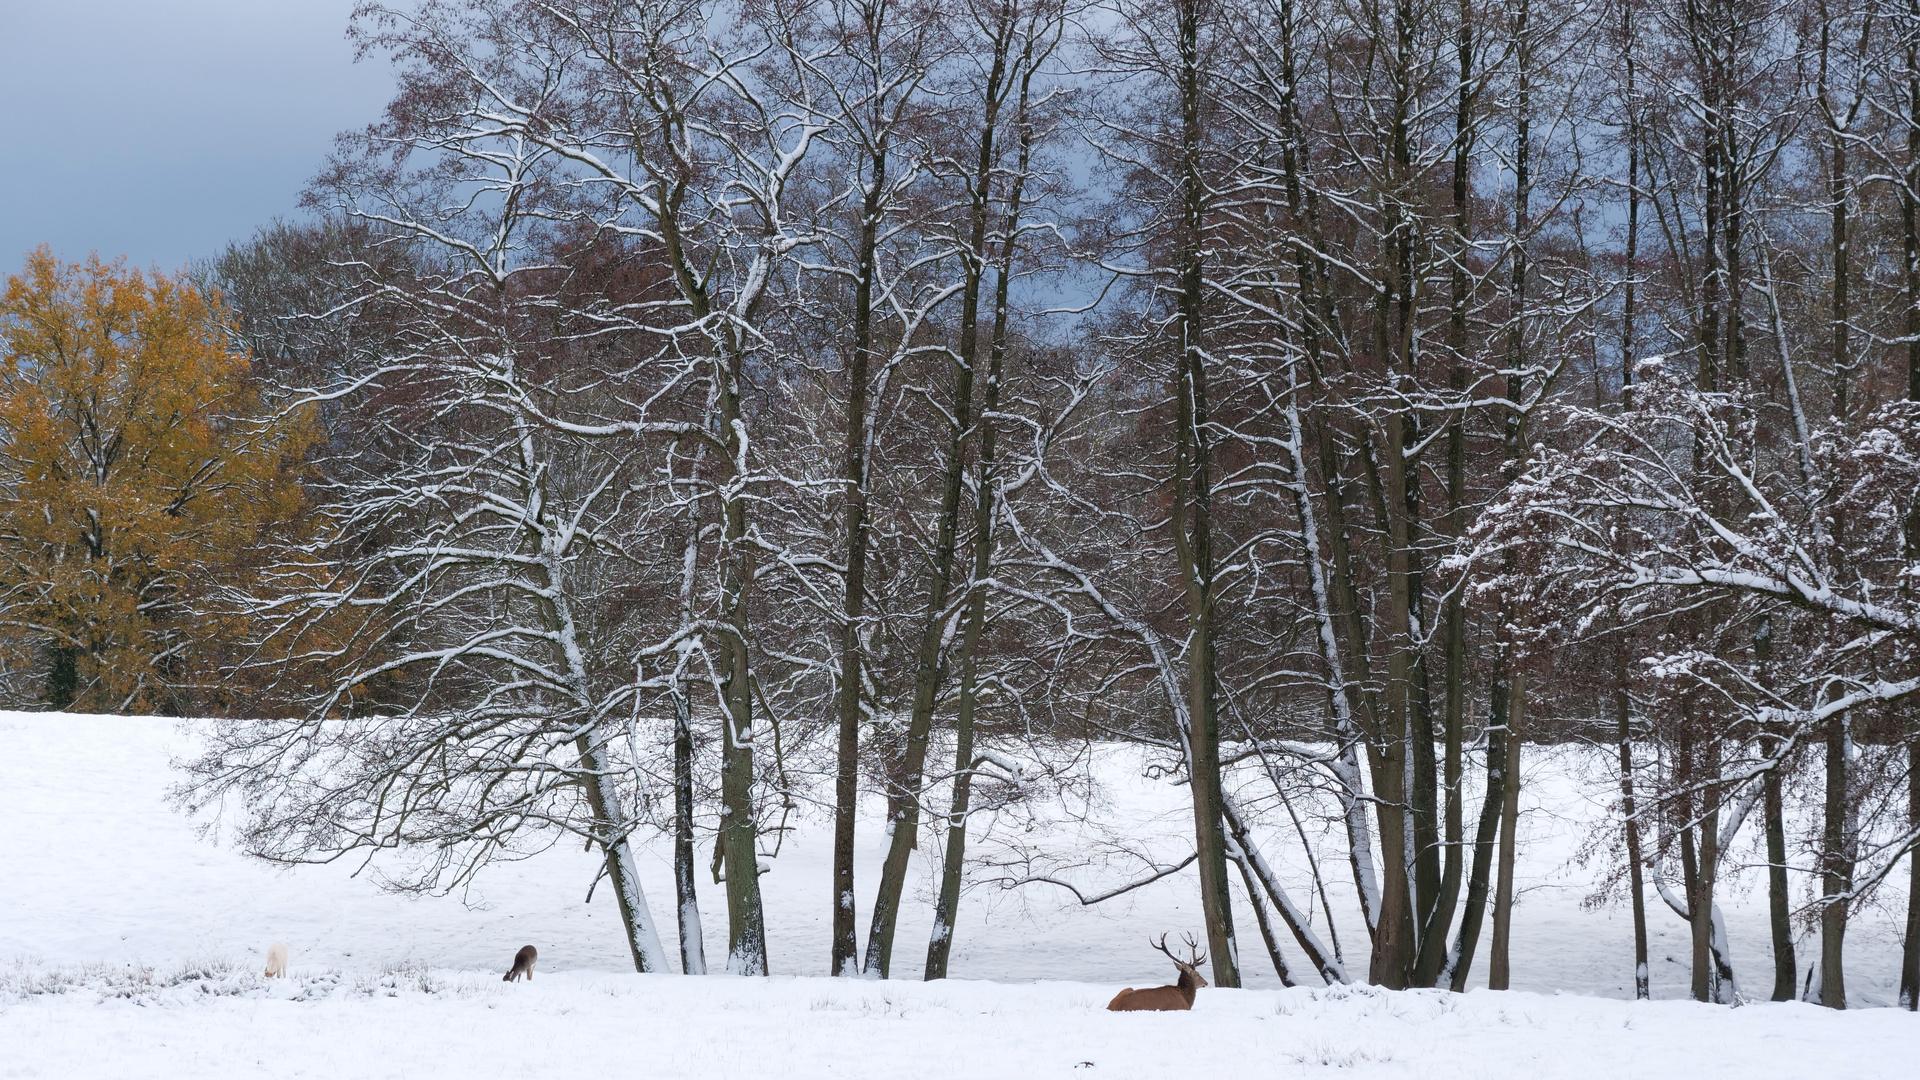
139, 470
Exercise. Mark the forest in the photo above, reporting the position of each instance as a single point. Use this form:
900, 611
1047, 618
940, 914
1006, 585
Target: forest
671, 420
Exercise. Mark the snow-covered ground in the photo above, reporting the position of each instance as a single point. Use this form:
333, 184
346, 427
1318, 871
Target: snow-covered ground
156, 935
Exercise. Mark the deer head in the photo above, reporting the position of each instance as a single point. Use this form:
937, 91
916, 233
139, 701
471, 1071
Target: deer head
1190, 967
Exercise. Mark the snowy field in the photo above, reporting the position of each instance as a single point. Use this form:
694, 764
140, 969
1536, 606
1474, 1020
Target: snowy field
130, 946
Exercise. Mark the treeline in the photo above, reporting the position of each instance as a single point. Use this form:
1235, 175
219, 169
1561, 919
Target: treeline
718, 410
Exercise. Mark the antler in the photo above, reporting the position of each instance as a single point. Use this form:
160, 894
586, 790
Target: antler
1193, 950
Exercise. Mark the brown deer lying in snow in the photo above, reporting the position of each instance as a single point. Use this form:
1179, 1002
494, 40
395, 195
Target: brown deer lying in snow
1175, 998
276, 960
523, 963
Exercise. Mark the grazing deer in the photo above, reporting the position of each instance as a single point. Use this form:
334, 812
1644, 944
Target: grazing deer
276, 961
1175, 998
523, 963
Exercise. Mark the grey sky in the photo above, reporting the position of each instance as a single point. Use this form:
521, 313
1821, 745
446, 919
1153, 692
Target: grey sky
161, 129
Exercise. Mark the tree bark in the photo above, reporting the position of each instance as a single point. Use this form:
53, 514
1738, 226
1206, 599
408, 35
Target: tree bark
1499, 966
1700, 856
1836, 878
846, 789
946, 908
739, 838
693, 949
1623, 701
1261, 918
1910, 250
1910, 951
903, 818
1460, 962
610, 827
1498, 963
1779, 903
1623, 734
1192, 522
1453, 625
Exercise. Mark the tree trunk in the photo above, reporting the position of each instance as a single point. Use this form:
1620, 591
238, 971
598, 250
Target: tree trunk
1499, 969
1699, 859
1836, 878
940, 947
693, 949
1623, 733
1910, 250
846, 789
1779, 903
1350, 700
1435, 930
739, 839
1192, 522
1623, 701
1460, 962
1262, 919
1910, 952
903, 819
903, 823
610, 828
1498, 963
1250, 860
1700, 985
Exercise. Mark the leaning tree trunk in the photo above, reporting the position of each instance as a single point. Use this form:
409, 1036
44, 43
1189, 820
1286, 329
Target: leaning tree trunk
903, 822
610, 829
1350, 701
1260, 917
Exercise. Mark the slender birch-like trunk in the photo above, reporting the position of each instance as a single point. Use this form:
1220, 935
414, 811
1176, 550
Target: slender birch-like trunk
1909, 998
1630, 816
947, 906
1910, 252
1498, 961
1192, 516
1350, 700
903, 818
1773, 815
1435, 930
843, 958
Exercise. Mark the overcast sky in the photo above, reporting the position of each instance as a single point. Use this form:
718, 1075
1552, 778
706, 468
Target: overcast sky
162, 129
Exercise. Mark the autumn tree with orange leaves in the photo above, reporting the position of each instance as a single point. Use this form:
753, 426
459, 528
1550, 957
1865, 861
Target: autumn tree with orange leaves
140, 464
